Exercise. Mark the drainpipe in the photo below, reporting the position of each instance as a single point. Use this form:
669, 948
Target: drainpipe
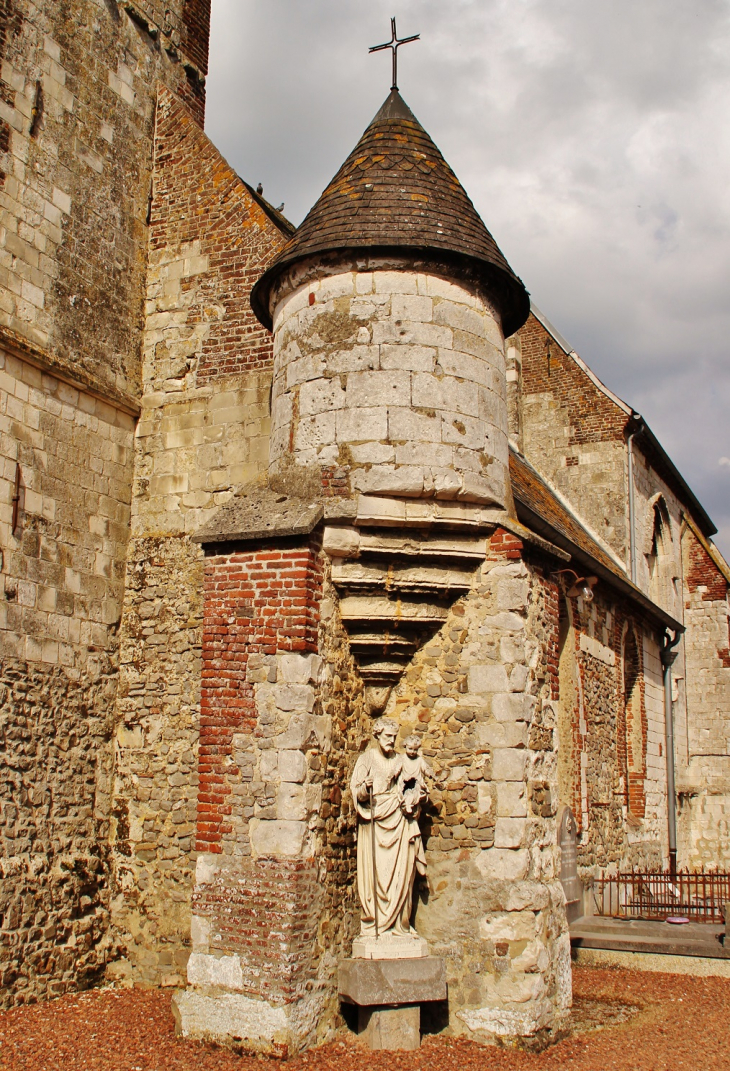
632, 506
668, 655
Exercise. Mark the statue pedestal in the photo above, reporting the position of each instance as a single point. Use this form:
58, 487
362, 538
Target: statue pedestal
388, 946
388, 994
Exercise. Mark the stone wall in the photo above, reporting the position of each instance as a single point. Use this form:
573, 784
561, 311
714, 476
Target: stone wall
63, 571
78, 86
397, 377
573, 432
659, 574
275, 746
703, 779
615, 782
202, 434
281, 726
78, 101
479, 695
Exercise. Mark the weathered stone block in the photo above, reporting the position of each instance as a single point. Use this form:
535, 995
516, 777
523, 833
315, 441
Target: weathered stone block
292, 766
488, 678
411, 307
511, 803
390, 1028
504, 864
277, 837
508, 764
224, 971
509, 832
387, 981
235, 1020
508, 926
380, 388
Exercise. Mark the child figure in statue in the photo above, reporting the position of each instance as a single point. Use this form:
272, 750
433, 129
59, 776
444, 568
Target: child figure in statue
414, 773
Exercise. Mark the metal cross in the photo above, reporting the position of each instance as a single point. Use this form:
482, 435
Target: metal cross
394, 44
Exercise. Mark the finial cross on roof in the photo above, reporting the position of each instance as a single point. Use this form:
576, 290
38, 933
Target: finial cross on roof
394, 44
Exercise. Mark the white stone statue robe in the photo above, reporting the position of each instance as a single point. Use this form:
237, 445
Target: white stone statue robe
399, 850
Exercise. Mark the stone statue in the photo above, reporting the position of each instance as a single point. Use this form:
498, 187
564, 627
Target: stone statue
415, 774
389, 846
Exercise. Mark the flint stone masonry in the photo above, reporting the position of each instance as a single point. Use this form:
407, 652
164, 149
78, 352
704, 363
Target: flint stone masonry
394, 376
54, 780
62, 586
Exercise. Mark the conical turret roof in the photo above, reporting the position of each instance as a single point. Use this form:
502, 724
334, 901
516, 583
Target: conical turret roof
395, 192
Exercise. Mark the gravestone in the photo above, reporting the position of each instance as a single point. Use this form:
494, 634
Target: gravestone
572, 885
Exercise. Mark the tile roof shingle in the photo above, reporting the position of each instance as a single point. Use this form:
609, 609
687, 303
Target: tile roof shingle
395, 191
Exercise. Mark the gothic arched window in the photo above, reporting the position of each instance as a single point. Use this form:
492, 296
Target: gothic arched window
632, 731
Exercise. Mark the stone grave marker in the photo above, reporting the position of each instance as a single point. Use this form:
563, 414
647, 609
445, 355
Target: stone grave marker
572, 885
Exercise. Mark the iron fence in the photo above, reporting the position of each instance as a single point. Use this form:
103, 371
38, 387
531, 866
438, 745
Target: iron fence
696, 895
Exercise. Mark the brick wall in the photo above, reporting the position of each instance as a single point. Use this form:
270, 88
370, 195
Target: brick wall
611, 763
203, 209
257, 603
574, 433
202, 434
269, 911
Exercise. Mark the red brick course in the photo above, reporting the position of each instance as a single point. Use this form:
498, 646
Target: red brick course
504, 544
198, 197
547, 369
260, 601
196, 20
703, 573
268, 912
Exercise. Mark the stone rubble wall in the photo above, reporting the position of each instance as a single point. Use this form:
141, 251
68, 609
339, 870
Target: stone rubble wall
54, 782
202, 433
479, 695
397, 377
702, 672
77, 92
282, 724
62, 587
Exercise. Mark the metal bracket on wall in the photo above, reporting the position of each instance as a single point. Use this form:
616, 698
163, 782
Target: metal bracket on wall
16, 497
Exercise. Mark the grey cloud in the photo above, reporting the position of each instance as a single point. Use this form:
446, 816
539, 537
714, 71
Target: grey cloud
591, 136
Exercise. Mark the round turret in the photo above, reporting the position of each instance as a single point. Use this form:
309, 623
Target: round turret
389, 309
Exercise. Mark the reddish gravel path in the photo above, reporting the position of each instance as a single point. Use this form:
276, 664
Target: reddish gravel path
683, 1023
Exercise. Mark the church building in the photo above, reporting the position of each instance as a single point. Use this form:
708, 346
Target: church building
262, 485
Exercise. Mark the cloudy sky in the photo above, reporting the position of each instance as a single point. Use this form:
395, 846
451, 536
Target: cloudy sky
592, 135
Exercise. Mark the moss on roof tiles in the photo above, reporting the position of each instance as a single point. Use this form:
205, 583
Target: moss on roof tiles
396, 192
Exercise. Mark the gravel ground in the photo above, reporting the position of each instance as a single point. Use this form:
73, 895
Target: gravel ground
624, 1021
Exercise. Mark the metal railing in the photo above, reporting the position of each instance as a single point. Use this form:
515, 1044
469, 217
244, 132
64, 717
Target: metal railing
696, 895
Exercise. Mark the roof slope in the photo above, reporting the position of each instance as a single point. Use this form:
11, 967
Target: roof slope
539, 508
395, 191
